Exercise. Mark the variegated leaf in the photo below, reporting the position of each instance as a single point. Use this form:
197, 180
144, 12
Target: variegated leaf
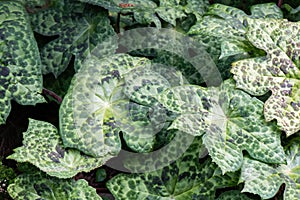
43, 147
265, 180
184, 179
37, 185
278, 71
20, 64
80, 29
92, 111
229, 120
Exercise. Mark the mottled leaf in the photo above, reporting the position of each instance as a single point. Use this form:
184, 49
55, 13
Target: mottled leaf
92, 111
265, 180
20, 65
184, 179
230, 120
146, 11
222, 32
233, 195
40, 186
43, 147
79, 31
292, 14
278, 71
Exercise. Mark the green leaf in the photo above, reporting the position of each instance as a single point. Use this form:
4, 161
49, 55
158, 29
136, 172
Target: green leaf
278, 71
226, 25
146, 11
34, 3
143, 10
265, 180
292, 14
229, 120
185, 178
6, 173
20, 65
148, 120
79, 30
233, 195
95, 105
40, 186
43, 147
100, 175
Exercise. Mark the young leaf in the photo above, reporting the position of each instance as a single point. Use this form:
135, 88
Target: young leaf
184, 179
229, 119
278, 71
80, 29
40, 186
95, 103
265, 180
43, 147
20, 65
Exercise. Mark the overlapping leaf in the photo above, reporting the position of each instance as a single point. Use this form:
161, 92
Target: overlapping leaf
43, 147
20, 65
265, 180
95, 105
278, 71
146, 11
233, 195
229, 119
226, 25
292, 14
80, 29
148, 119
184, 179
37, 185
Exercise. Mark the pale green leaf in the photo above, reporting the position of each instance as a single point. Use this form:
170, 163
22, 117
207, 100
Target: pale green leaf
43, 147
229, 120
79, 30
227, 25
278, 71
20, 65
37, 185
265, 180
95, 105
184, 179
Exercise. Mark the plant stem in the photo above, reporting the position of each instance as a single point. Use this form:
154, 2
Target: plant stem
52, 94
279, 4
118, 23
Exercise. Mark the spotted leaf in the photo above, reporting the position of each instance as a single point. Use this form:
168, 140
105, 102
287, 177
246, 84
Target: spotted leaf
185, 178
80, 29
148, 119
233, 194
229, 120
265, 180
146, 11
38, 185
20, 65
226, 28
278, 71
92, 111
43, 147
